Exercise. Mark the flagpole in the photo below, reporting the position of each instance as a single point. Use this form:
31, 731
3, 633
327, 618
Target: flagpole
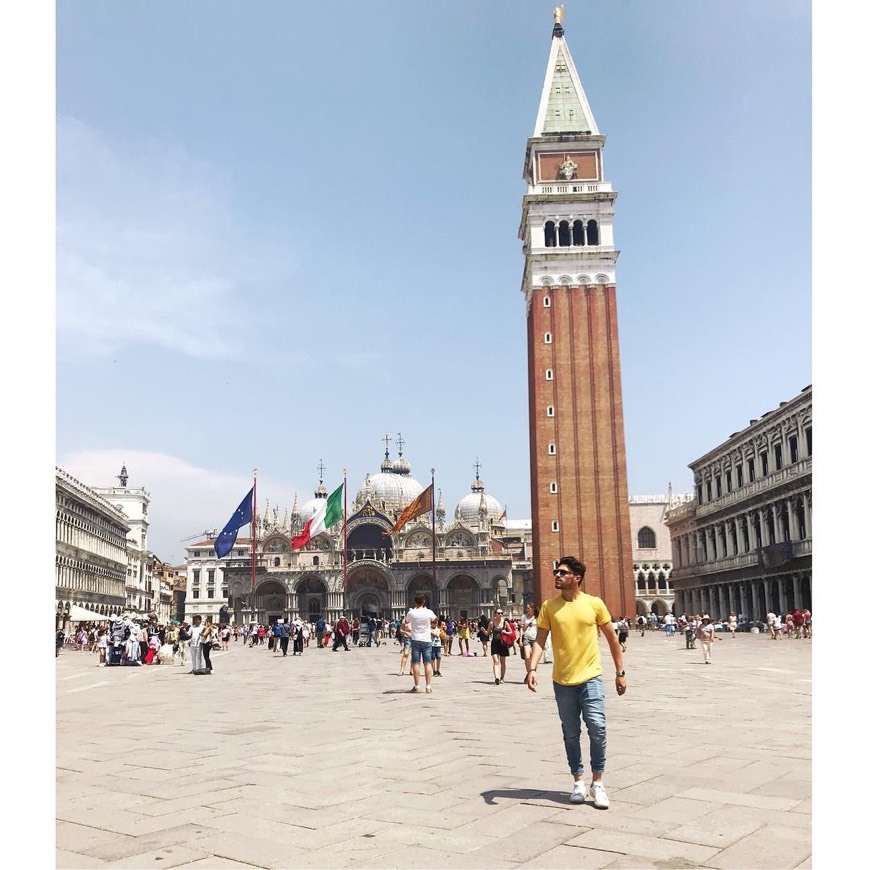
344, 578
253, 541
434, 584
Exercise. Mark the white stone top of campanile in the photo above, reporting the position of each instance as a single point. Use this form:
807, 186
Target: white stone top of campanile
563, 107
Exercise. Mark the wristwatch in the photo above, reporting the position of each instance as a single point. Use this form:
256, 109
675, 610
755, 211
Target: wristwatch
620, 673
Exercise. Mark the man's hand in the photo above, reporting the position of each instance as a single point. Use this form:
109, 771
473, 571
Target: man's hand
621, 685
532, 681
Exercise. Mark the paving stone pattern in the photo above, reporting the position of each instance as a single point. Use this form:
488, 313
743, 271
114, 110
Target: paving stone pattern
326, 760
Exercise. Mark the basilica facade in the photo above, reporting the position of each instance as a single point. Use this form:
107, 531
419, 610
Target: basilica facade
468, 563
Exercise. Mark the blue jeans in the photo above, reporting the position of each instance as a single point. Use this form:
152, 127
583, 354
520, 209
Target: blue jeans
586, 699
421, 649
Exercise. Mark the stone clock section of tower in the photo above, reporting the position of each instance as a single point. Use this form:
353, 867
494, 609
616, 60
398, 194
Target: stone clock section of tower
578, 468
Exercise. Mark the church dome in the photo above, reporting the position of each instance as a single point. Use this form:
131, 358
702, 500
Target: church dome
389, 492
468, 509
310, 507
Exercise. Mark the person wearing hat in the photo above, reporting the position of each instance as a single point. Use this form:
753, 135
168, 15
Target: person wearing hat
706, 633
574, 619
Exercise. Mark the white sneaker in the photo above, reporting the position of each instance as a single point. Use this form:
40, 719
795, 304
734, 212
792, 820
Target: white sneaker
579, 793
428, 690
599, 796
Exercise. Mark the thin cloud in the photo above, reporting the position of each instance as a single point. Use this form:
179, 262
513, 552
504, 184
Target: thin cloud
186, 499
148, 251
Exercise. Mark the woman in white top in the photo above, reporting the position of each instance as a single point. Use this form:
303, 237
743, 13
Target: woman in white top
529, 622
706, 633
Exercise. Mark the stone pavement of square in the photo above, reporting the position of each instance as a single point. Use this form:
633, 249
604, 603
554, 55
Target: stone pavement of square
326, 760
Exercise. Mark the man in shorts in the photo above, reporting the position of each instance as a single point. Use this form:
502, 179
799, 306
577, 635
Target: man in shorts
419, 622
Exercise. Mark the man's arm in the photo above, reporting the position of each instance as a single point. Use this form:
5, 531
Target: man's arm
615, 651
537, 648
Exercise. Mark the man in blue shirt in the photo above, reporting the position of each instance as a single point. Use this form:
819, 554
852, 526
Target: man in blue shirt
283, 637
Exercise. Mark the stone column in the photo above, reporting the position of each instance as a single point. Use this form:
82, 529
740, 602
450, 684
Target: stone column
756, 604
722, 610
779, 520
796, 589
808, 513
768, 595
793, 530
783, 604
762, 526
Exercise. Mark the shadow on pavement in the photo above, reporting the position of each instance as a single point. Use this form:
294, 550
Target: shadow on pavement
525, 794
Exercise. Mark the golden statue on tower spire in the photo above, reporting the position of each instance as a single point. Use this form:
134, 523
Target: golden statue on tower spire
559, 13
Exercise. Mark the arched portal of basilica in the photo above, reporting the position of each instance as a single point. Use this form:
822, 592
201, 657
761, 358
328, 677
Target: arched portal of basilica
463, 596
311, 598
368, 590
421, 584
271, 601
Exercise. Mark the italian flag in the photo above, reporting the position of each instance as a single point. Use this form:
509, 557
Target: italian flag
325, 517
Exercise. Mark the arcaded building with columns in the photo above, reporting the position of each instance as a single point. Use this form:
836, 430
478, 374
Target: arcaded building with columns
745, 542
651, 549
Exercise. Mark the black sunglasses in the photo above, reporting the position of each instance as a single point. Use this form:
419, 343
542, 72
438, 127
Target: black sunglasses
561, 572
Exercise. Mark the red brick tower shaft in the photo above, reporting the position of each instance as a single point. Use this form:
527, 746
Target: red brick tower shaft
577, 434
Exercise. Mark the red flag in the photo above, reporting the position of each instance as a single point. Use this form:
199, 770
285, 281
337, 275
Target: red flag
421, 505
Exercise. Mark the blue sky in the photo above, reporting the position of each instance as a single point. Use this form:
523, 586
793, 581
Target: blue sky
286, 229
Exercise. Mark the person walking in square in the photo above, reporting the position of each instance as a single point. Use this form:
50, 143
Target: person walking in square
298, 640
196, 666
342, 630
206, 643
464, 633
706, 633
529, 623
419, 622
437, 648
502, 640
574, 618
282, 633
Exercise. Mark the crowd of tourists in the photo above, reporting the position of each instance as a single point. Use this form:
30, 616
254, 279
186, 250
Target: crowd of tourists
128, 641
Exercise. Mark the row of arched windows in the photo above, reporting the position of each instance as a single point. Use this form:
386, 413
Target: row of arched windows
570, 234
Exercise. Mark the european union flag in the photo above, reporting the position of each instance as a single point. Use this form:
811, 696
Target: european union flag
243, 515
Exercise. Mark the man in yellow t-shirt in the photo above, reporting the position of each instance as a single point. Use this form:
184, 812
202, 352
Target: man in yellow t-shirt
573, 619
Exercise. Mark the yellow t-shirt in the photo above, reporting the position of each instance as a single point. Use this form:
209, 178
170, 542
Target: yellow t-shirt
573, 627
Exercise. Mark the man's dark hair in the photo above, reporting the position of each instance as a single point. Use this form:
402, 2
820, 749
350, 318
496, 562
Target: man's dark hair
574, 565
419, 599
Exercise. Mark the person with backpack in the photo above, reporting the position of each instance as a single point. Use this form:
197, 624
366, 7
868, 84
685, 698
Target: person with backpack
282, 637
622, 632
319, 630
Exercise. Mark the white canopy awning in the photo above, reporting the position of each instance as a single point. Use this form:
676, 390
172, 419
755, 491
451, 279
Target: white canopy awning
81, 614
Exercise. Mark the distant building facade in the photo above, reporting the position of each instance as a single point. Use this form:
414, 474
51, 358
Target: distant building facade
139, 586
651, 548
744, 543
91, 550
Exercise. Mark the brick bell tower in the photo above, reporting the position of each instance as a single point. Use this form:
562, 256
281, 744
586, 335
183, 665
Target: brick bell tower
577, 435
